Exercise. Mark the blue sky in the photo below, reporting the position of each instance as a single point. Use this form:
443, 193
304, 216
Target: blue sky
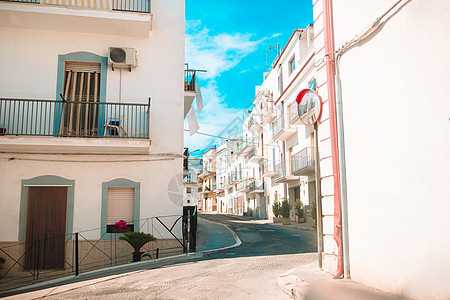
230, 39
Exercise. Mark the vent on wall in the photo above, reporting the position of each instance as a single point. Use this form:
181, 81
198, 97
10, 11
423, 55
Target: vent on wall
122, 58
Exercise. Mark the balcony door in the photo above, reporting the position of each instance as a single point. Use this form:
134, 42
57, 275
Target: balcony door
81, 90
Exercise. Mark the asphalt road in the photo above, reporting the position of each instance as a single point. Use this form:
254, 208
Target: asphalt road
249, 271
262, 239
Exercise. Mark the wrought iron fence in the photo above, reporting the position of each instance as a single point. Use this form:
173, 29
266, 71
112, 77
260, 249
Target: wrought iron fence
31, 262
27, 117
189, 80
256, 185
293, 112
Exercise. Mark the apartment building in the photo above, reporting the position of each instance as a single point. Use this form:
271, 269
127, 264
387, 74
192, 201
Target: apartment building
208, 187
91, 127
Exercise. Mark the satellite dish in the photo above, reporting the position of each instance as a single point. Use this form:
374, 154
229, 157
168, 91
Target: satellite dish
117, 55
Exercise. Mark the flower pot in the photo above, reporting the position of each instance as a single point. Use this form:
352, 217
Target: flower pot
301, 220
137, 255
286, 221
277, 219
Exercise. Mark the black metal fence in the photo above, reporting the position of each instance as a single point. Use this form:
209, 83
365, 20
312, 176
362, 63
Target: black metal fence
189, 80
26, 117
31, 262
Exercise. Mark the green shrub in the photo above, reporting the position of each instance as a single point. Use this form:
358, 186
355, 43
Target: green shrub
137, 239
276, 208
285, 208
299, 208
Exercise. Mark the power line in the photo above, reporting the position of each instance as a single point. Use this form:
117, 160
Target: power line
216, 136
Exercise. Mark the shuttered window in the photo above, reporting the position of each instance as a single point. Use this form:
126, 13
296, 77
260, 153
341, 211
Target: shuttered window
120, 205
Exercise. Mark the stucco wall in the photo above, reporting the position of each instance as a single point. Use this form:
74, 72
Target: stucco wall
29, 71
397, 141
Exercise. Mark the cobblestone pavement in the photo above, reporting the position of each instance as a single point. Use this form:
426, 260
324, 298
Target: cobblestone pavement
249, 271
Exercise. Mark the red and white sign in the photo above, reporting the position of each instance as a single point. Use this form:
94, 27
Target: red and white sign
309, 106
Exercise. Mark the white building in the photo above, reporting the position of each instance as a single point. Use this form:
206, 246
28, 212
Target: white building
91, 105
393, 202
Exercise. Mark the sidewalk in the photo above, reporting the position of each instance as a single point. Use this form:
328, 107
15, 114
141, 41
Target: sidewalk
210, 237
311, 283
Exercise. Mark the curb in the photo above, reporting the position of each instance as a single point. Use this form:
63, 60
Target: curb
291, 285
66, 280
238, 240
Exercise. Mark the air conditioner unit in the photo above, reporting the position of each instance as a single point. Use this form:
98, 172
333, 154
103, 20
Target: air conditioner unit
122, 58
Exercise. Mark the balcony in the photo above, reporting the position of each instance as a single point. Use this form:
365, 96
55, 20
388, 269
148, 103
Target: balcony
268, 169
256, 187
207, 171
49, 126
255, 156
245, 147
234, 177
116, 17
190, 82
254, 125
282, 174
243, 185
293, 114
190, 180
280, 132
303, 162
268, 115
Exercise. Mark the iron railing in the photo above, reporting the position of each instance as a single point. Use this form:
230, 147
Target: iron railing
26, 117
277, 126
245, 145
28, 262
293, 113
253, 121
139, 6
256, 185
268, 167
280, 170
243, 184
302, 159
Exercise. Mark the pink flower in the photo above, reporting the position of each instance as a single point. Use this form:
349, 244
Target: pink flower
121, 224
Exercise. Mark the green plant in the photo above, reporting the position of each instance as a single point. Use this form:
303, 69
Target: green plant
276, 208
299, 208
285, 208
137, 239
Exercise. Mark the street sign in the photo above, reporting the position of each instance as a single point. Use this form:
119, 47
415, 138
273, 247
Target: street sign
309, 106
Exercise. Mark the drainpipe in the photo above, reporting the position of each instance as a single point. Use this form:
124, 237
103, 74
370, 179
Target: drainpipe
329, 61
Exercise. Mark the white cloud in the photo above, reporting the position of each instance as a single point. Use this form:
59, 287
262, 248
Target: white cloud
216, 53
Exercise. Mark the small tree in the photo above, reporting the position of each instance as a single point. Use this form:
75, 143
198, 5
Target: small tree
285, 208
299, 209
276, 208
137, 240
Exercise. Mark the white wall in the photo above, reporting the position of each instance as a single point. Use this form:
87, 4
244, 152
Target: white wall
31, 72
397, 141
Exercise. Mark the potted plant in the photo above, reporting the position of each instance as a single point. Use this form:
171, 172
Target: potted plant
300, 210
137, 240
285, 211
276, 212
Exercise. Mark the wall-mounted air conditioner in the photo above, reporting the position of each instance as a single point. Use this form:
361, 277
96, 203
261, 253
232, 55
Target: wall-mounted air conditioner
122, 58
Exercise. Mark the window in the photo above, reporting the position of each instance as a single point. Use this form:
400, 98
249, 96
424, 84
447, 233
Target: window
292, 64
188, 190
120, 207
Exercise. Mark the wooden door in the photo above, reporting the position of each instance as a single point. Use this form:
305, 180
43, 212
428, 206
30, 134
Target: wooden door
46, 227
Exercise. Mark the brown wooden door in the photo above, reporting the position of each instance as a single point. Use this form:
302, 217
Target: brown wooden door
46, 227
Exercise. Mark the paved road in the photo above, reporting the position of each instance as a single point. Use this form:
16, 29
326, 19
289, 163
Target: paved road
246, 272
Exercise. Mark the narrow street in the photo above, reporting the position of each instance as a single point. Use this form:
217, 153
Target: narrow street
249, 271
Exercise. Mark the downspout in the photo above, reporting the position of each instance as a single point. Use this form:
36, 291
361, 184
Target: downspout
329, 61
